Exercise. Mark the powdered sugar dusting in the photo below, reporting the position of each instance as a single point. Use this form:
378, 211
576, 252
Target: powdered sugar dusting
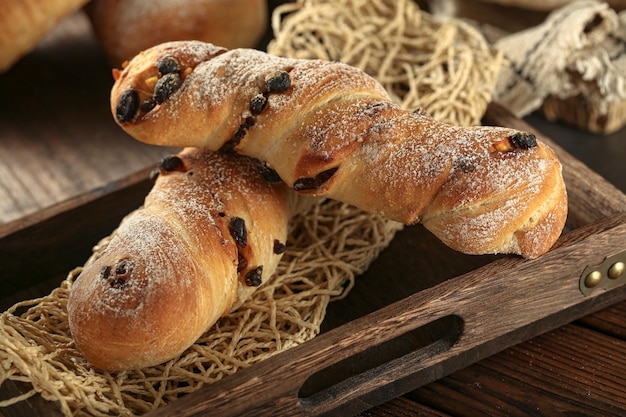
231, 78
184, 215
144, 239
335, 117
416, 167
175, 258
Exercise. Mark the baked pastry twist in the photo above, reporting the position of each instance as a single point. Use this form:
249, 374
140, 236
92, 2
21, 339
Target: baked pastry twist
328, 129
211, 231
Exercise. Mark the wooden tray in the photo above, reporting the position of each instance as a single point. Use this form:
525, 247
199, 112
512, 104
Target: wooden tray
421, 311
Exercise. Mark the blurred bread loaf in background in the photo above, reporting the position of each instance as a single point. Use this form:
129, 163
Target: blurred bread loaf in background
127, 27
24, 23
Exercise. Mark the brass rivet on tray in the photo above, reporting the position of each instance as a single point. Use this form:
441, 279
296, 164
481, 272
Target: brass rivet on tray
606, 275
593, 278
616, 270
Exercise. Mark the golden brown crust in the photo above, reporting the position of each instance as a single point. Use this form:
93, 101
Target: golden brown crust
522, 211
332, 131
176, 265
126, 27
24, 23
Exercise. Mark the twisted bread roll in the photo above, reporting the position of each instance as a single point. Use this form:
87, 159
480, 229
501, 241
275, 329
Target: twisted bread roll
210, 232
328, 129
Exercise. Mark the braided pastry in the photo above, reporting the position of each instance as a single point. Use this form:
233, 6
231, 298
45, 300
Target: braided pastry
328, 129
211, 231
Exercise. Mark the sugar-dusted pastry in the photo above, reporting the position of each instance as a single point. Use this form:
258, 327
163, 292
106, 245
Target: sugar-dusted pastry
328, 129
211, 231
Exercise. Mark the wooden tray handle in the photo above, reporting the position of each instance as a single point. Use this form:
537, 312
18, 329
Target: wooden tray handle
465, 319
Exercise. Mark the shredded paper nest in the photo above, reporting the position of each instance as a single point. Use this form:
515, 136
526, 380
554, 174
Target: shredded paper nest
327, 247
443, 67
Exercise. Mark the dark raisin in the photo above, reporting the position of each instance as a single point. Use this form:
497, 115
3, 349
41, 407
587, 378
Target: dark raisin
105, 272
278, 81
313, 183
257, 104
324, 176
248, 123
242, 262
118, 283
127, 106
269, 174
238, 231
166, 86
523, 140
304, 183
123, 268
121, 274
167, 65
230, 145
254, 277
239, 134
148, 104
172, 163
464, 165
279, 247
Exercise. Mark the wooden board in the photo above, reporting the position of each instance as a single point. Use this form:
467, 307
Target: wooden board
58, 138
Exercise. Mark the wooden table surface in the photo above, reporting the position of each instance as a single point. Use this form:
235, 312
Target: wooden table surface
58, 141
